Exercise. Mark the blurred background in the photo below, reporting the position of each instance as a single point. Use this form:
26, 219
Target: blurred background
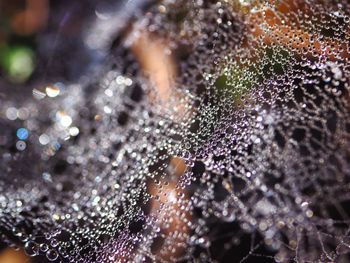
46, 40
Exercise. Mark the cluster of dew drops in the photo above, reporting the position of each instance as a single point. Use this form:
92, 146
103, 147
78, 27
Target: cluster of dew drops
252, 142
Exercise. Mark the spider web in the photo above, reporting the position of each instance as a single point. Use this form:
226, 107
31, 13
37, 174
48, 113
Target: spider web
214, 131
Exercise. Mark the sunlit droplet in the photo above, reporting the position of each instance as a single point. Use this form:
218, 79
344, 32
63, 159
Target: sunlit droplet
52, 91
73, 131
22, 133
11, 113
21, 145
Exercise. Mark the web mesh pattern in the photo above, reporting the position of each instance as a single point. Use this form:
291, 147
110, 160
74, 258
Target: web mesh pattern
215, 131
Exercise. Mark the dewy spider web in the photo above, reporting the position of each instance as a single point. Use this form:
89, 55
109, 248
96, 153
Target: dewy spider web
214, 131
